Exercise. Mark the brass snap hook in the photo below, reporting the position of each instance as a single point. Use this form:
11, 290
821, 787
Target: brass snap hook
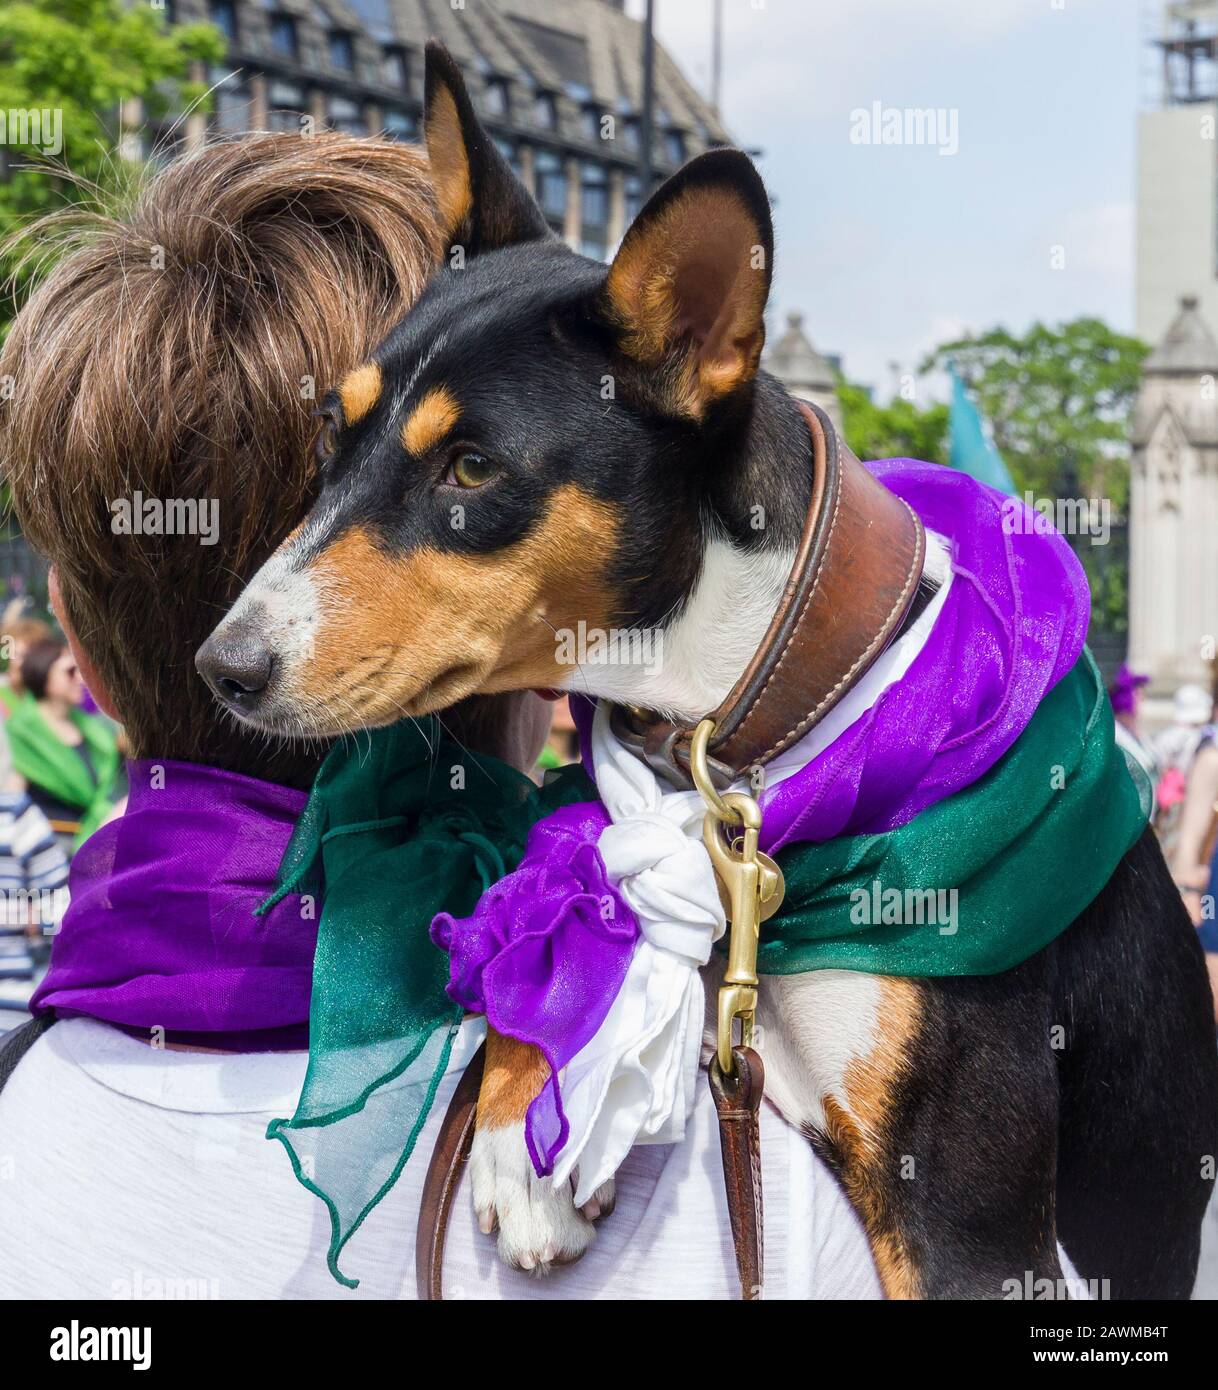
699, 770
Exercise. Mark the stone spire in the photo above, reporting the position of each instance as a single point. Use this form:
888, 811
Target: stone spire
1188, 347
802, 370
1173, 511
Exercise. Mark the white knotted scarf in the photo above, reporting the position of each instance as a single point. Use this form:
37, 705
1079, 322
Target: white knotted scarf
633, 1082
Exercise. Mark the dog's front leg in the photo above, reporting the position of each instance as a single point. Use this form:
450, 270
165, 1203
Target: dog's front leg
538, 1222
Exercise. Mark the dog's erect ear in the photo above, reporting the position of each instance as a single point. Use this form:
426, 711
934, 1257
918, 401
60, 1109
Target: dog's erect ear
482, 204
687, 289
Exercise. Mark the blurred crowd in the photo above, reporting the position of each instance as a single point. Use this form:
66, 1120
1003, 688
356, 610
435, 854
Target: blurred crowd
1181, 761
61, 776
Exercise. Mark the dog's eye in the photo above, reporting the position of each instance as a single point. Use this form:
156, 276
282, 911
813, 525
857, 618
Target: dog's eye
471, 470
327, 441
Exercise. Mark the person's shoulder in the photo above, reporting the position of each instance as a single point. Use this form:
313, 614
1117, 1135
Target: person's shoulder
14, 801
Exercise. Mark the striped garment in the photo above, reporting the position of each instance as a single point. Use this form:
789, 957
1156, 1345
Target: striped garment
33, 881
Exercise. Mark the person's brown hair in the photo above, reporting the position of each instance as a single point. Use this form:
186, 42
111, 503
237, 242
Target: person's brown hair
19, 629
178, 351
37, 663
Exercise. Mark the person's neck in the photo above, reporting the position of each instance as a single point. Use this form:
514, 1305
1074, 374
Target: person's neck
56, 712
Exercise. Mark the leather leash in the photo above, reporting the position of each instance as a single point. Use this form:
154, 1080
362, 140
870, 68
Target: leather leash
855, 575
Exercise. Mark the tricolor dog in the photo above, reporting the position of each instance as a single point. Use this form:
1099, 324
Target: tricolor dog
546, 442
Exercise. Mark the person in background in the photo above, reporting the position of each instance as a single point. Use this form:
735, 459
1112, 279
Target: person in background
1124, 694
1176, 747
69, 759
1194, 852
18, 633
33, 877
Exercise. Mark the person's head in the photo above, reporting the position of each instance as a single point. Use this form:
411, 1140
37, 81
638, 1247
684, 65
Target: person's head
1192, 706
166, 371
18, 632
49, 672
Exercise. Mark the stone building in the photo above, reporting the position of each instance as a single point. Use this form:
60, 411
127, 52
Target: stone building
1177, 173
1173, 509
802, 370
559, 85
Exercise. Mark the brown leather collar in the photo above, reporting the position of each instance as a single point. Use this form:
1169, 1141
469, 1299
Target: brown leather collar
855, 574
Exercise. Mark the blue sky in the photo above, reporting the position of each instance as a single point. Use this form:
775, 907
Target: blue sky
888, 250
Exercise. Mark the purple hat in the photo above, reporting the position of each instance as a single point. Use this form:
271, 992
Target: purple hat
1123, 687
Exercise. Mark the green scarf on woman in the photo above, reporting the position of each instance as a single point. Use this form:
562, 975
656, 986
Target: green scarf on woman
45, 761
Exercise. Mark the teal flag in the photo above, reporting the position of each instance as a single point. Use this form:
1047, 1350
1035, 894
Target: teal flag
972, 449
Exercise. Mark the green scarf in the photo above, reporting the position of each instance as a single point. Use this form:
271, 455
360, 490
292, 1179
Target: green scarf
1003, 866
397, 829
59, 770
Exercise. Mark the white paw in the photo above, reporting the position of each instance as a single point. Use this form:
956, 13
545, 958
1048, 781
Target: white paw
539, 1224
602, 1201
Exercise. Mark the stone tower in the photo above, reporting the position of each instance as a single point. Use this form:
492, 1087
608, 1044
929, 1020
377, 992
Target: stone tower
802, 370
1173, 507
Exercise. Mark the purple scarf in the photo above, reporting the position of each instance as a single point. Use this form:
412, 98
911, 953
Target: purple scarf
542, 942
1012, 625
161, 931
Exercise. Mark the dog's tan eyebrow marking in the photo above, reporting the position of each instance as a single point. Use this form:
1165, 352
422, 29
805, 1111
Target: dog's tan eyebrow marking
430, 420
359, 392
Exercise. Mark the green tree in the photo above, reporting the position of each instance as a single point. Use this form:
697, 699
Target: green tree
896, 430
1059, 402
77, 60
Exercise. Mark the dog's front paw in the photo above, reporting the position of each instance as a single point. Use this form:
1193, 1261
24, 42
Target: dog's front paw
602, 1201
539, 1224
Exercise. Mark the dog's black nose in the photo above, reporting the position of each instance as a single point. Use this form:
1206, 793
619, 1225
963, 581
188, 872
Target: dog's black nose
237, 666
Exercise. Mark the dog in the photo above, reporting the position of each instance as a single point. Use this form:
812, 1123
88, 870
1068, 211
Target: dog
545, 440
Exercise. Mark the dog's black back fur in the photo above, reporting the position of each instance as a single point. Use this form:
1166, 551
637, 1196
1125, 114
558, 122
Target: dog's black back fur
1138, 1076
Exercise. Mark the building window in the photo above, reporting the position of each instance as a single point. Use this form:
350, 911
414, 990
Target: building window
286, 103
590, 122
634, 200
223, 14
545, 111
345, 115
551, 176
594, 209
231, 98
398, 124
283, 36
342, 52
511, 152
674, 146
630, 133
495, 97
394, 71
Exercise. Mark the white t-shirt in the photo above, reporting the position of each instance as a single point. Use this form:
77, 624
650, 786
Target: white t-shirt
130, 1172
